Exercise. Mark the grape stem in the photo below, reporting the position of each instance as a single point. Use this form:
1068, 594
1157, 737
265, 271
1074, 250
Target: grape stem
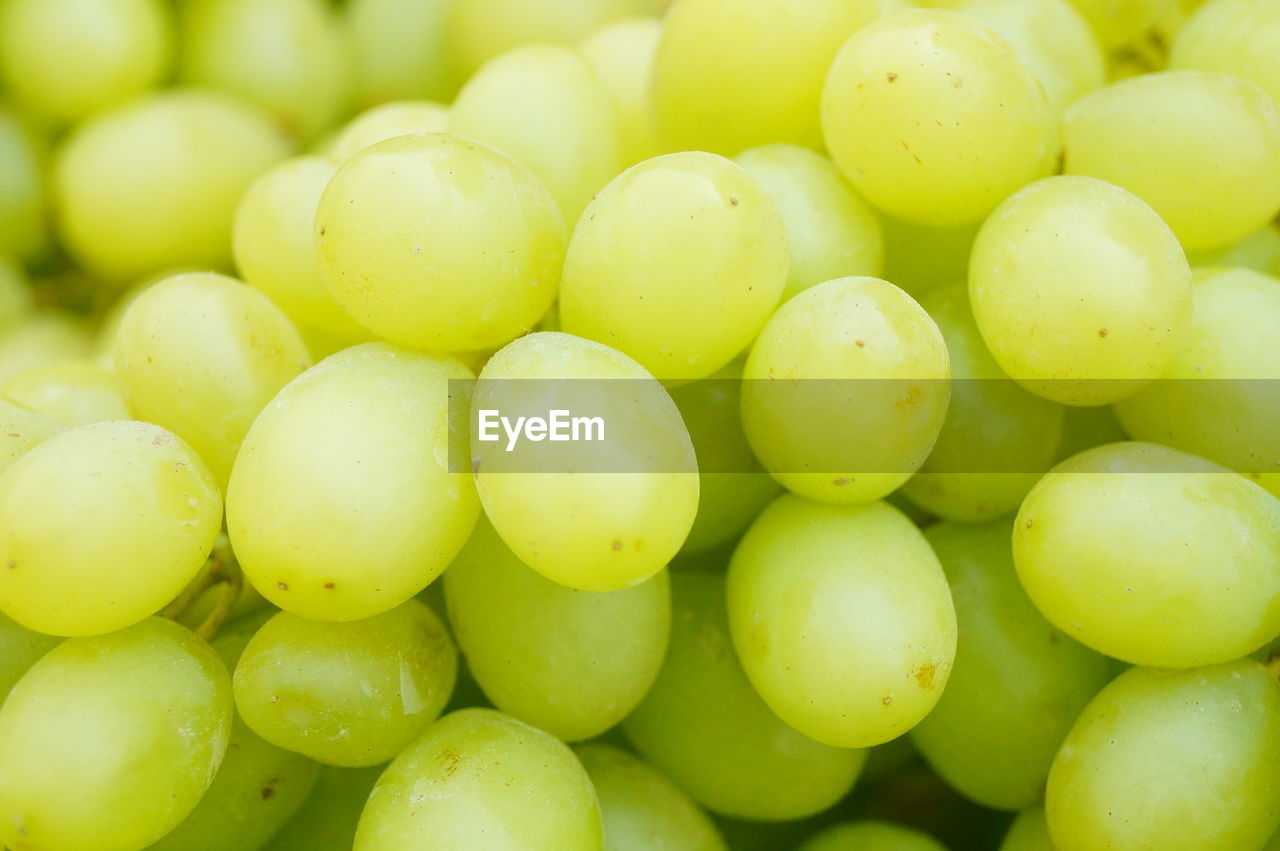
221, 568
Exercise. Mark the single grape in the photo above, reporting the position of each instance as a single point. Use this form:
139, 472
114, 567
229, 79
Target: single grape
1119, 22
42, 338
387, 121
24, 226
16, 301
1240, 37
76, 392
400, 50
20, 648
328, 818
21, 429
621, 54
919, 258
872, 836
1029, 832
1085, 428
1259, 251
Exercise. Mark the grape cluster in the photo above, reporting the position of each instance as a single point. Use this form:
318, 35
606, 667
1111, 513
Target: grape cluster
938, 347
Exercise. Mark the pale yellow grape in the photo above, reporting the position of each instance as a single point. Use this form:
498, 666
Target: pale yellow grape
479, 779
1220, 398
102, 525
1017, 685
934, 118
479, 30
919, 258
41, 338
21, 429
20, 648
832, 232
201, 354
573, 663
341, 504
1052, 38
1259, 250
1240, 37
1153, 556
846, 390
153, 184
401, 50
24, 229
842, 618
1029, 832
327, 820
734, 74
273, 239
387, 121
439, 242
543, 106
620, 517
678, 262
1148, 133
642, 809
351, 694
108, 742
291, 57
1119, 22
997, 439
705, 727
1175, 760
622, 54
66, 59
15, 293
1082, 292
76, 392
872, 836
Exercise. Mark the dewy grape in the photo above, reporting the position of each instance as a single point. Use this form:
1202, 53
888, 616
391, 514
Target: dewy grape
640, 425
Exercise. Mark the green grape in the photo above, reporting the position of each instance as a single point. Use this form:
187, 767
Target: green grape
573, 663
67, 59
20, 648
595, 529
732, 486
273, 240
1153, 556
1017, 685
153, 184
705, 727
832, 232
1119, 22
849, 357
201, 354
1259, 251
291, 57
1029, 832
350, 694
401, 50
544, 107
1085, 428
76, 392
15, 294
327, 820
872, 836
733, 74
341, 504
919, 258
108, 742
479, 779
642, 809
1052, 38
842, 619
41, 338
934, 118
479, 30
678, 262
387, 121
1171, 760
1220, 397
24, 229
102, 525
440, 243
997, 439
1240, 37
1081, 291
622, 54
1145, 134
21, 429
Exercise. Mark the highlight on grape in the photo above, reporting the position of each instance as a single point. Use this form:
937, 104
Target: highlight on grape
639, 425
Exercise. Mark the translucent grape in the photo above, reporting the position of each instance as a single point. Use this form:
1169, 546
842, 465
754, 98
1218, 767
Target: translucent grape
327, 820
1118, 22
1259, 251
848, 380
24, 229
152, 185
1145, 133
108, 742
1240, 37
707, 729
1152, 555
39, 339
872, 836
733, 74
919, 258
479, 779
677, 263
573, 663
1154, 746
21, 429
622, 54
387, 121
201, 354
1017, 685
1029, 832
400, 50
102, 525
832, 232
341, 504
20, 648
440, 243
76, 392
1081, 291
934, 118
544, 107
